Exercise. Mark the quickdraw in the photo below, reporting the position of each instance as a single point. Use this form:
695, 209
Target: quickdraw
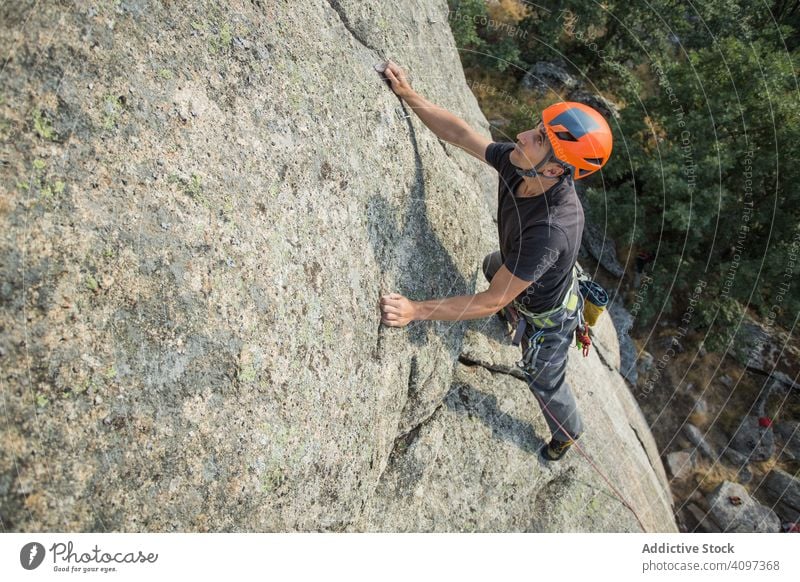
531, 351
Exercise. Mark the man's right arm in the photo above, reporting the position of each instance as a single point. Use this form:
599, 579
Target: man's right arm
444, 124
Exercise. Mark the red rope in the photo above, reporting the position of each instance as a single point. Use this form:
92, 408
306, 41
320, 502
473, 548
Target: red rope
594, 466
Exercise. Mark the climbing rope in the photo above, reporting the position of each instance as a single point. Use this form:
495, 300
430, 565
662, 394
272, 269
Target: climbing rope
594, 466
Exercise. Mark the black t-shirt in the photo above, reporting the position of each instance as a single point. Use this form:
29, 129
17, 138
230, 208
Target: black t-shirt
539, 236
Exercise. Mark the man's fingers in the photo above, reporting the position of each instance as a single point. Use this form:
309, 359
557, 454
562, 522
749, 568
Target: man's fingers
391, 309
390, 296
390, 76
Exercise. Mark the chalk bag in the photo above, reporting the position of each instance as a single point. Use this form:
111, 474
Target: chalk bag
595, 301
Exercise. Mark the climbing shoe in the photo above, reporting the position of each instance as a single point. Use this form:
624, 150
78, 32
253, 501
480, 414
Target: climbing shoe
556, 449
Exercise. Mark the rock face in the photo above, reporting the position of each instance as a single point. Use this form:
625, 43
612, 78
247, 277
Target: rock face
472, 466
596, 240
697, 438
201, 208
623, 322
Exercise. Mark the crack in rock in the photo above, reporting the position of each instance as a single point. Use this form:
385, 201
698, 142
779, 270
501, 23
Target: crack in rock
599, 353
337, 7
496, 368
404, 441
644, 449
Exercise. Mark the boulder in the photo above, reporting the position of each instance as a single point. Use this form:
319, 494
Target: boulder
696, 437
680, 464
605, 106
701, 519
783, 490
545, 77
736, 512
754, 441
787, 434
766, 349
740, 463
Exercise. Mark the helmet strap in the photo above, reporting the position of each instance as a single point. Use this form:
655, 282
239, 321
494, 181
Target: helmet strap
533, 172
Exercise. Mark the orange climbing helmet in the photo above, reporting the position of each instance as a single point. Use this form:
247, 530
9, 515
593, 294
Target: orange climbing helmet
580, 136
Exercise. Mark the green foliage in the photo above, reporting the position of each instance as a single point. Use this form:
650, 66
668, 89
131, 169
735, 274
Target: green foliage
705, 155
483, 39
720, 317
705, 169
463, 17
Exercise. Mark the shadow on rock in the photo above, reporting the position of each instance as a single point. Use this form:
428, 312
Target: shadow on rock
423, 266
464, 399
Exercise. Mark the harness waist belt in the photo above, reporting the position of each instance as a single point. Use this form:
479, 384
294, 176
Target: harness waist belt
543, 319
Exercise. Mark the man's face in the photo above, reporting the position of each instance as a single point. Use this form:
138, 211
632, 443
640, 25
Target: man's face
533, 146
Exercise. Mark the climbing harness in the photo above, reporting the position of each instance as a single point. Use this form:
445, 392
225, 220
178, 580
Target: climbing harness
545, 318
595, 300
540, 322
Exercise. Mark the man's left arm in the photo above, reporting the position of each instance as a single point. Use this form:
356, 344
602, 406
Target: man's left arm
398, 311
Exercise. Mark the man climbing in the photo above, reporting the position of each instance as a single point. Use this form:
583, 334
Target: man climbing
540, 224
